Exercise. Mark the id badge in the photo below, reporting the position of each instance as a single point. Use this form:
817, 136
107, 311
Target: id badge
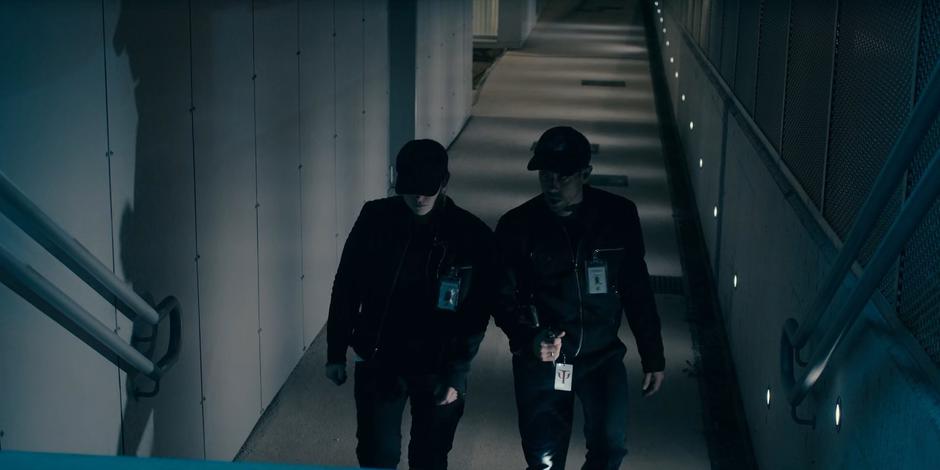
449, 293
564, 375
596, 271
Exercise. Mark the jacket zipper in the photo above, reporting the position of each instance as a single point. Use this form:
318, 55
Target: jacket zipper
577, 279
388, 300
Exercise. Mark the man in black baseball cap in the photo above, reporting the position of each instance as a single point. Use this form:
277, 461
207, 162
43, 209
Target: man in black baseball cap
412, 297
422, 168
562, 157
573, 260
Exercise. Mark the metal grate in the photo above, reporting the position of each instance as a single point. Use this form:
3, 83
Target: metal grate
667, 285
919, 283
874, 68
716, 23
771, 69
729, 40
806, 110
608, 83
745, 72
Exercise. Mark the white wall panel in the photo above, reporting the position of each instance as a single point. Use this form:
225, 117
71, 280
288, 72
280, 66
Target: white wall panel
202, 198
440, 78
349, 54
53, 146
376, 125
154, 222
317, 150
227, 231
279, 192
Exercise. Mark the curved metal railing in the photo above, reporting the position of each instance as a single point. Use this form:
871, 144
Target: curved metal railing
44, 295
796, 336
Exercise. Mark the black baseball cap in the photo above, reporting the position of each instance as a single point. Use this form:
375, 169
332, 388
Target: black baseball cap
422, 168
562, 150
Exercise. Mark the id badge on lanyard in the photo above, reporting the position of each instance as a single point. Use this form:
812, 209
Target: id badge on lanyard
564, 375
595, 271
448, 294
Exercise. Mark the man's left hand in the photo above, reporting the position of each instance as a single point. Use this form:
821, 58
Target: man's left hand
449, 397
651, 383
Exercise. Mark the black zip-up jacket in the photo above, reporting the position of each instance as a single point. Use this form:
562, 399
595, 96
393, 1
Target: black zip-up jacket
545, 269
361, 311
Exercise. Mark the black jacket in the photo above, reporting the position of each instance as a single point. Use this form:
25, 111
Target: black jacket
361, 314
544, 269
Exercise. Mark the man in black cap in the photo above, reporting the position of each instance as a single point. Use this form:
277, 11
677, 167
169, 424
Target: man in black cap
573, 258
412, 297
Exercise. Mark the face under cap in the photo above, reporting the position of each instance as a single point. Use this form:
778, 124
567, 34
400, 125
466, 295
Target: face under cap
422, 168
562, 150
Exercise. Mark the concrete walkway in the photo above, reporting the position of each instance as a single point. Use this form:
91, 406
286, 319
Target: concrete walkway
528, 91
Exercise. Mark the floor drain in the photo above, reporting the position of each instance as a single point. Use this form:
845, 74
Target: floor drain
667, 285
607, 83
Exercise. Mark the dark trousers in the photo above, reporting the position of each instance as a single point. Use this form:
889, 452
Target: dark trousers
545, 414
380, 400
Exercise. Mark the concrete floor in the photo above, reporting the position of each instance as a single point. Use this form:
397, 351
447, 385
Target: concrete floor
528, 91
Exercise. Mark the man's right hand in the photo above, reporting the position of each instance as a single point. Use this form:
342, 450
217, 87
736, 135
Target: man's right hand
336, 373
548, 348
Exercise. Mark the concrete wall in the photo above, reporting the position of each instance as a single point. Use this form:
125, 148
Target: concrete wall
769, 234
516, 20
217, 151
443, 68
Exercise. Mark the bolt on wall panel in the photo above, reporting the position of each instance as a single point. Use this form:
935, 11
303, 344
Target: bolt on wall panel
152, 186
317, 150
771, 69
350, 163
279, 223
745, 69
53, 146
805, 131
225, 162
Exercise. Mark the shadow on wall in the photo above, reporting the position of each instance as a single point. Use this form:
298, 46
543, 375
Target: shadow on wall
157, 227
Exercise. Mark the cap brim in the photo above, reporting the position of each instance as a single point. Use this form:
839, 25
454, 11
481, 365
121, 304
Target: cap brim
543, 161
408, 184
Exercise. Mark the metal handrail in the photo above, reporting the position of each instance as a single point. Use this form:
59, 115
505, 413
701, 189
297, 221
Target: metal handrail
795, 336
903, 151
40, 227
913, 211
49, 299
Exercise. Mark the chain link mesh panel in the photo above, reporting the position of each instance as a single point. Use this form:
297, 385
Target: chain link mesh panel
715, 24
745, 73
806, 110
919, 283
771, 69
705, 21
872, 93
729, 40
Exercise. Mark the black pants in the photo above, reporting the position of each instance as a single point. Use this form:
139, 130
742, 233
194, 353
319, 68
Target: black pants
380, 400
545, 414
